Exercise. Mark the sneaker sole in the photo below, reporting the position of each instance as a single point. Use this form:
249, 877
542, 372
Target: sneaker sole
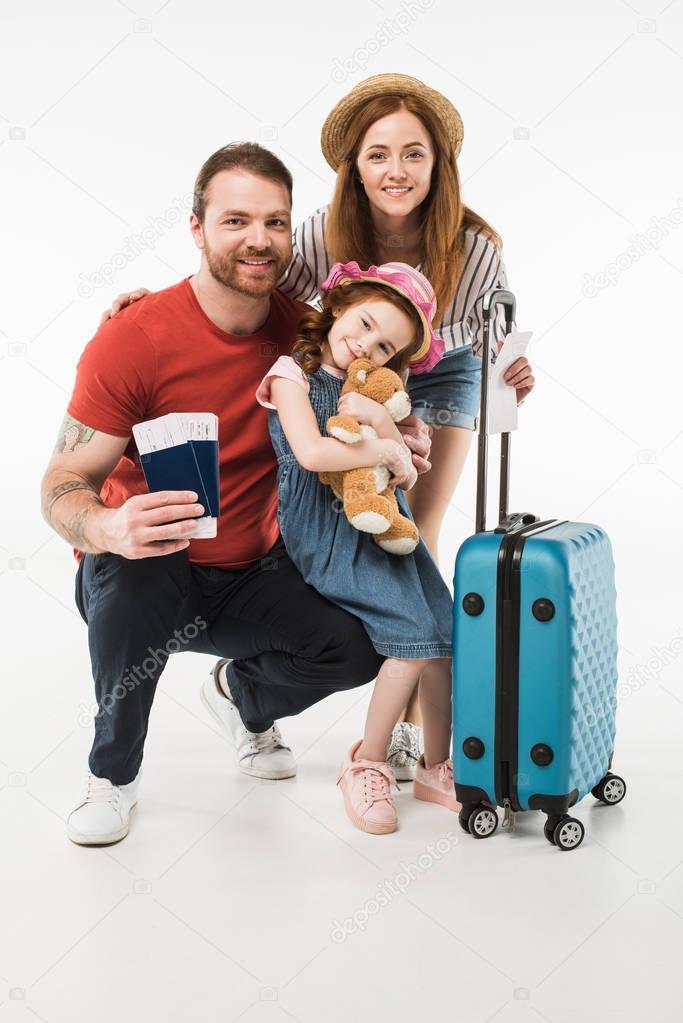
78, 838
253, 772
424, 792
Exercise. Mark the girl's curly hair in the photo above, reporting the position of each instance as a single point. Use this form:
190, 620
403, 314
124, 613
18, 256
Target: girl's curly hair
315, 325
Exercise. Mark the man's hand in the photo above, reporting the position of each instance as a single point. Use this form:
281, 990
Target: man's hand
418, 436
149, 525
121, 301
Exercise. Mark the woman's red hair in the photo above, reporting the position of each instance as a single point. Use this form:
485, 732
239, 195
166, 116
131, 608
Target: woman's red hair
349, 230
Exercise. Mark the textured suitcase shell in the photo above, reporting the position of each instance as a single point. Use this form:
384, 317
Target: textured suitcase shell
567, 665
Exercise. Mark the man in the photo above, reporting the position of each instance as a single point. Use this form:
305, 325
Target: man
144, 588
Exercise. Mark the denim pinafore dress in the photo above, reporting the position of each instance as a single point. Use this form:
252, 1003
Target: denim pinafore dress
402, 600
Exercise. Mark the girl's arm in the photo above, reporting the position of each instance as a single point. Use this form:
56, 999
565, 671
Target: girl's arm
326, 454
365, 410
385, 426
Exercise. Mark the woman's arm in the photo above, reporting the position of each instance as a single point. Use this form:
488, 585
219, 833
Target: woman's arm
310, 262
326, 454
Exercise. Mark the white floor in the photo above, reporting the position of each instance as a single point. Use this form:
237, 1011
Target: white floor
235, 899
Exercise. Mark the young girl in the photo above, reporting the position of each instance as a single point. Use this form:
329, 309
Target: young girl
383, 314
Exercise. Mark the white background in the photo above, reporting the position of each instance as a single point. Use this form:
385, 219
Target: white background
221, 901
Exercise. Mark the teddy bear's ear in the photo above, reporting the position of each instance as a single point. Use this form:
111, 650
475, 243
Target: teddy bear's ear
360, 368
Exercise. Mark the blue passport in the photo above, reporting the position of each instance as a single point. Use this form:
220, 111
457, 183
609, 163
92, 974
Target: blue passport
179, 451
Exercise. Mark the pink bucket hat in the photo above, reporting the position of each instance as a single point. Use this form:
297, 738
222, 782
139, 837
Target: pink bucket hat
410, 283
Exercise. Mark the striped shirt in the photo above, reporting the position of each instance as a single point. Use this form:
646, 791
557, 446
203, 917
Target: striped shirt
462, 324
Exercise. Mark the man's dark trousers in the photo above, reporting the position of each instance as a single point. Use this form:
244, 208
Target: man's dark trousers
291, 646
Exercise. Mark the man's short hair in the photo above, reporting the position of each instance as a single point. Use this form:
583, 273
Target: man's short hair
246, 156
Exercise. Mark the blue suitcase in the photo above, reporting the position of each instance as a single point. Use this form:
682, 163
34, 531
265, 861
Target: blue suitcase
534, 658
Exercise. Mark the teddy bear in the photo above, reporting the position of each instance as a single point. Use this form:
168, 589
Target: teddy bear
369, 503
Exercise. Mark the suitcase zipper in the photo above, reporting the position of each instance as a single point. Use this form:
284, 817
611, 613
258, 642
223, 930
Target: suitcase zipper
508, 816
507, 665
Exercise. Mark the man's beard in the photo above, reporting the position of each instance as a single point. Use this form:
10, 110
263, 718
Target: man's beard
229, 272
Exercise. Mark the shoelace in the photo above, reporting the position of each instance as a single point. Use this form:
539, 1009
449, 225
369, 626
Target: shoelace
404, 744
377, 779
101, 790
446, 771
258, 742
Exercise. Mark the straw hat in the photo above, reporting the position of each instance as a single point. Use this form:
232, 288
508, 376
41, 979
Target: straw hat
335, 129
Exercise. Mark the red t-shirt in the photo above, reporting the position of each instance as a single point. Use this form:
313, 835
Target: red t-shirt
163, 354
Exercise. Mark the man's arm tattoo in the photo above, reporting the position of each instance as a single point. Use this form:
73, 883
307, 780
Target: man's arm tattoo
72, 435
73, 529
65, 488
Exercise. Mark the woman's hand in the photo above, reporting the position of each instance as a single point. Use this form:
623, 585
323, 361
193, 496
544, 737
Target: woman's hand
520, 376
362, 408
418, 436
121, 301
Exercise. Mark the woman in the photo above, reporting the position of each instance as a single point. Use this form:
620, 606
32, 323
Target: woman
393, 143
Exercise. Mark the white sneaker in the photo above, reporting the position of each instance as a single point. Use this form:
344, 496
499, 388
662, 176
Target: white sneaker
405, 749
259, 754
101, 816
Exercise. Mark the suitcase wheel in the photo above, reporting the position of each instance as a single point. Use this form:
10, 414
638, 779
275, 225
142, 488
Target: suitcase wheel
549, 828
483, 821
568, 833
464, 817
610, 790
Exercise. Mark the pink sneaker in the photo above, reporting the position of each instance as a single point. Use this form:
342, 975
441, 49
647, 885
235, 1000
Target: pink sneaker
366, 788
436, 784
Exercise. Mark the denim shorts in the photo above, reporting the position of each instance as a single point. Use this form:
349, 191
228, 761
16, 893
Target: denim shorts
448, 395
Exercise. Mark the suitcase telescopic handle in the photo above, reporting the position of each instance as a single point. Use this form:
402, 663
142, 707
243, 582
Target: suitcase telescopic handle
492, 299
